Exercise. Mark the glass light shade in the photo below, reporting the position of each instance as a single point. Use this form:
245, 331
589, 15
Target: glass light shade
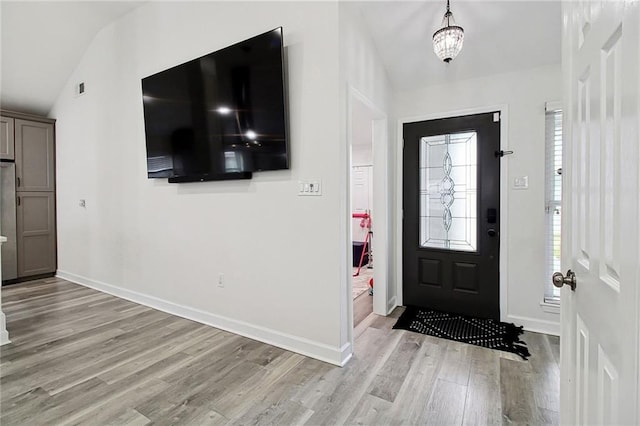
447, 42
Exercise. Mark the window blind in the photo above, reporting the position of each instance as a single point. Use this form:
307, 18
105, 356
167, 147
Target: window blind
553, 190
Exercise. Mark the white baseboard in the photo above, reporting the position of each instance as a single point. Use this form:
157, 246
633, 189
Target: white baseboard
535, 325
391, 305
4, 337
333, 355
345, 354
4, 334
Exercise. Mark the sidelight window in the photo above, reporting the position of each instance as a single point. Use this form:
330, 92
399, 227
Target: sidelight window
553, 188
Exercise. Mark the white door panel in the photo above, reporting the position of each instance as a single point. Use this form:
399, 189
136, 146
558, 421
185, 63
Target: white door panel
362, 197
601, 233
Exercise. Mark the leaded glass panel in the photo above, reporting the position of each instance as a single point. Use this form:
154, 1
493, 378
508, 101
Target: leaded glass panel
448, 191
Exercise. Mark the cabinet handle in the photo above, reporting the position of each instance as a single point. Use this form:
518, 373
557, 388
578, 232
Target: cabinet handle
19, 202
18, 179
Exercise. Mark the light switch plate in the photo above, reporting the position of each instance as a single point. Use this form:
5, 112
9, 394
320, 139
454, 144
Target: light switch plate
310, 187
521, 182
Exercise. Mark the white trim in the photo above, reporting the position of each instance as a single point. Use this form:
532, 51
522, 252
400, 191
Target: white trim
504, 194
391, 305
535, 325
4, 334
552, 106
504, 210
346, 352
323, 352
637, 310
551, 308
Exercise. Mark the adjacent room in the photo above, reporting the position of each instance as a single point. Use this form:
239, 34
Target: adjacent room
362, 209
353, 212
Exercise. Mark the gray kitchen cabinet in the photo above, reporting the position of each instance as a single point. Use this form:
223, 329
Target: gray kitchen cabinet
33, 253
9, 249
34, 151
6, 138
36, 233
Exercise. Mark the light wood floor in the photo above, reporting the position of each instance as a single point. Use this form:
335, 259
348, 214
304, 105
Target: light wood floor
82, 357
362, 307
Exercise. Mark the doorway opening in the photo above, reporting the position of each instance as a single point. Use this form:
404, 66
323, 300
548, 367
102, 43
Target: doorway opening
362, 214
368, 229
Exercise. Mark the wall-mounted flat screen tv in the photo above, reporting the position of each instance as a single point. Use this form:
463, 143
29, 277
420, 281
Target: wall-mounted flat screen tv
219, 116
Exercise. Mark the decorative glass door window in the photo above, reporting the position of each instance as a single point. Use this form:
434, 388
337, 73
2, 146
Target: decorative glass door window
448, 192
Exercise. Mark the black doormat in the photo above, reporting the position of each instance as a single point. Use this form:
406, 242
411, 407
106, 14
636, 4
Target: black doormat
488, 333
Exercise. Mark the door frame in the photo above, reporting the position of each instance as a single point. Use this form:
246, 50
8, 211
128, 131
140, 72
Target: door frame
380, 223
504, 186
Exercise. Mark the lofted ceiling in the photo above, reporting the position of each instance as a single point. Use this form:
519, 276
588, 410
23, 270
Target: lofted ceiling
500, 36
42, 43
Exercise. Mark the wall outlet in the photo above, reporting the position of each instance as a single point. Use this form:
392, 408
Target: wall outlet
221, 280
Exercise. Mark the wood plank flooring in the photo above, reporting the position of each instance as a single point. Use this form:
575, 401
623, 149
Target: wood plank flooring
80, 357
362, 307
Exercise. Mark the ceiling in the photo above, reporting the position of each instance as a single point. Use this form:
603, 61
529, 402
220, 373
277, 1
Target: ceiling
42, 43
500, 36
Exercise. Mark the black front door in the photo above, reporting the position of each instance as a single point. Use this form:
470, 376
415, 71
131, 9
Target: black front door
451, 200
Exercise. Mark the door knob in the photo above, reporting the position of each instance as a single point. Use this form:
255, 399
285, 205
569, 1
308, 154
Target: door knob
491, 232
559, 280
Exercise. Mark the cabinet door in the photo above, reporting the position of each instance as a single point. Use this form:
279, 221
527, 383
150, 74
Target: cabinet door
34, 156
6, 138
36, 233
8, 228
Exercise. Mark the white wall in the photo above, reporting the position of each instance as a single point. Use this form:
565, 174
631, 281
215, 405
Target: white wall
165, 244
361, 155
360, 63
525, 94
361, 134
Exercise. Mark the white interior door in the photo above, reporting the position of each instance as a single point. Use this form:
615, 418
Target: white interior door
599, 343
362, 198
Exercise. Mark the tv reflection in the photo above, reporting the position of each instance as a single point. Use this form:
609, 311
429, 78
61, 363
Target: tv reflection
194, 157
186, 156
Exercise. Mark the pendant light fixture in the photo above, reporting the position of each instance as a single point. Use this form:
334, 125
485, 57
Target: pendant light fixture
447, 41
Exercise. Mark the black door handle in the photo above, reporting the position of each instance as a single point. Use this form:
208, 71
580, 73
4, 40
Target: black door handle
491, 232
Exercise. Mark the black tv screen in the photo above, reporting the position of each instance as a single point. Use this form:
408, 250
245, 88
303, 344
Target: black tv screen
222, 114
